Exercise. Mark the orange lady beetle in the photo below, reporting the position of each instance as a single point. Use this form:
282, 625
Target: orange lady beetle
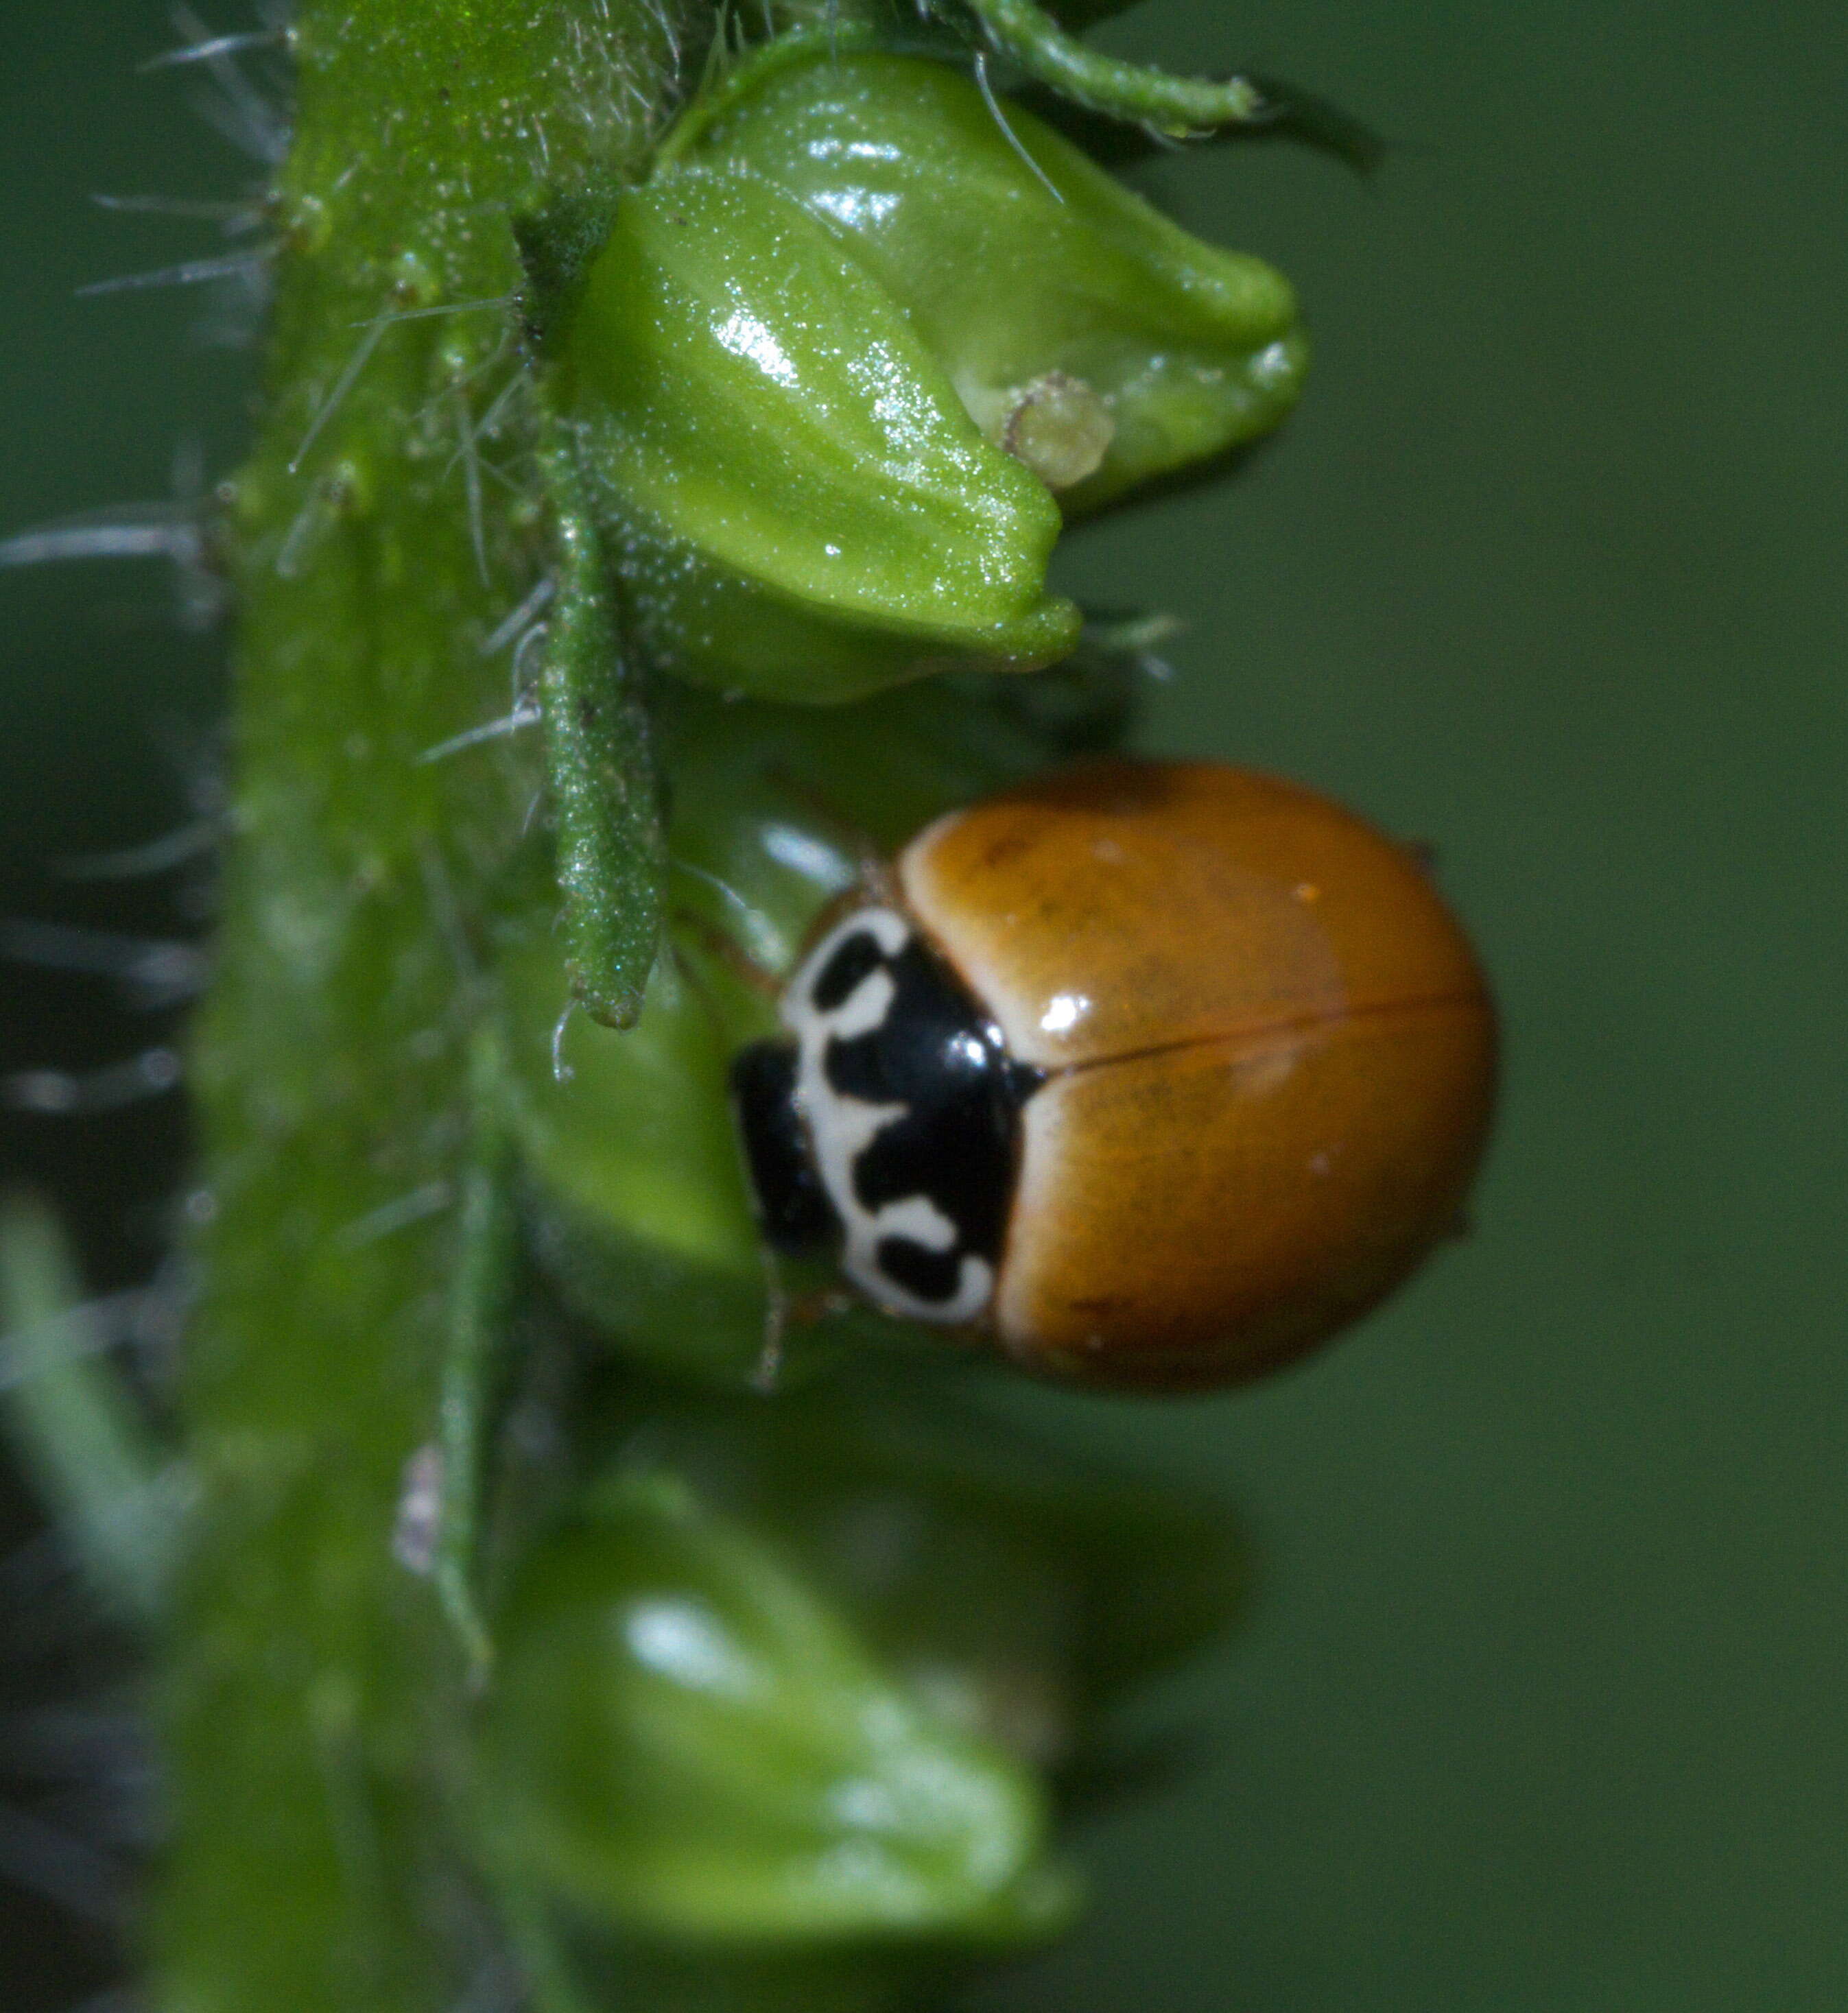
1159, 1072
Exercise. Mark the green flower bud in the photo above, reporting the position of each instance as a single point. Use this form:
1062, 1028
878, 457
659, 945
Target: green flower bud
802, 506
638, 1206
1024, 1593
1091, 338
685, 1741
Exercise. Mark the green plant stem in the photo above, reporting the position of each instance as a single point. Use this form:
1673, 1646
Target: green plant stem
311, 1697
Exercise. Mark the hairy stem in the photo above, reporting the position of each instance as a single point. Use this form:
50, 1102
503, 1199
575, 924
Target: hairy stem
313, 1695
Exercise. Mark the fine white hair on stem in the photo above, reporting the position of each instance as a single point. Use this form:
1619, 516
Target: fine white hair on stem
215, 46
1012, 138
82, 1094
356, 363
562, 1071
391, 315
235, 216
725, 888
124, 531
472, 485
439, 888
177, 847
362, 355
151, 972
765, 945
304, 529
239, 110
533, 640
489, 425
173, 530
189, 272
400, 1213
494, 730
509, 626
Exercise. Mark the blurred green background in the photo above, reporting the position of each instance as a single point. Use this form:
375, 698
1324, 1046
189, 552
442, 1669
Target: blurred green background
1542, 1705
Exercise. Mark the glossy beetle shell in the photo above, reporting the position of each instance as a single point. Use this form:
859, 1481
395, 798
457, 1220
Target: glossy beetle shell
1270, 1060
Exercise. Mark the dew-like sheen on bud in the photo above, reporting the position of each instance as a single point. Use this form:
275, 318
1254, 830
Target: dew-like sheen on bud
1022, 263
803, 508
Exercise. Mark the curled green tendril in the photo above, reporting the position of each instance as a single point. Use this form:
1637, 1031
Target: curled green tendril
1029, 35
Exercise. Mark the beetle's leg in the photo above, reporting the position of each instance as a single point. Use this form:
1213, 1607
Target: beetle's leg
729, 952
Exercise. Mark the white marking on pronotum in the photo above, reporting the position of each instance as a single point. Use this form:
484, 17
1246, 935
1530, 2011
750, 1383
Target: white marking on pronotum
62, 1093
1007, 133
840, 1129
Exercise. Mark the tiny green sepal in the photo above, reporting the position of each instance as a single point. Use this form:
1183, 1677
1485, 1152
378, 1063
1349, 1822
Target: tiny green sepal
1095, 340
801, 508
610, 849
1180, 106
687, 1742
